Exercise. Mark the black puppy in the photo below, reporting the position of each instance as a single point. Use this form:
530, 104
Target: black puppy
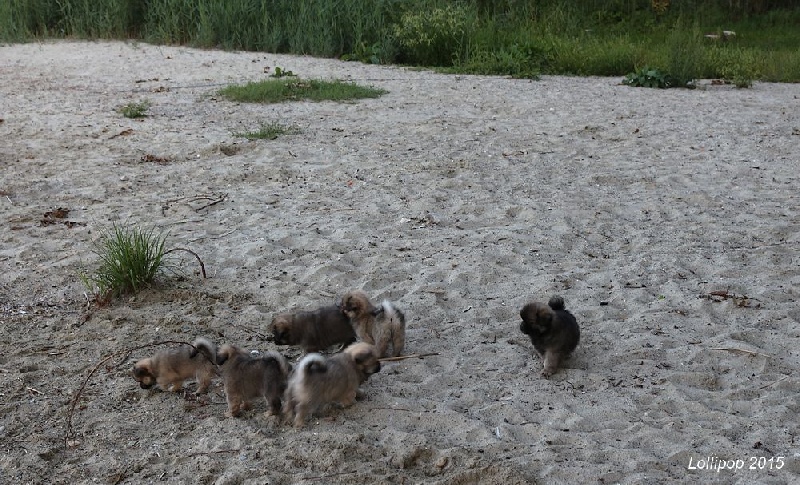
553, 331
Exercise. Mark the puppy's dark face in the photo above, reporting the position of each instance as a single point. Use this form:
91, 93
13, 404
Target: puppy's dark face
142, 372
356, 304
282, 329
365, 357
537, 319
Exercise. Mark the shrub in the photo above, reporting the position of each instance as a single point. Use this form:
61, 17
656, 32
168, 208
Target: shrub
436, 37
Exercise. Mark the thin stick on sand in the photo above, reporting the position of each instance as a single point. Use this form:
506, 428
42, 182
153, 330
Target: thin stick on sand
773, 383
745, 351
404, 357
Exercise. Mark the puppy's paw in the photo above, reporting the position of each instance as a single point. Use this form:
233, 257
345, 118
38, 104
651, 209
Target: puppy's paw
546, 373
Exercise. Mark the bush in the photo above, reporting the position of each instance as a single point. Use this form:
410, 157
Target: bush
516, 61
436, 37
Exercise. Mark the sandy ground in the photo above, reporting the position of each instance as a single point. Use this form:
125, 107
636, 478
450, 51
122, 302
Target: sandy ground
669, 220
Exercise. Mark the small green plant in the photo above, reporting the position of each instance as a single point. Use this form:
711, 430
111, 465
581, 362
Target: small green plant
280, 72
281, 90
648, 77
135, 110
268, 131
130, 258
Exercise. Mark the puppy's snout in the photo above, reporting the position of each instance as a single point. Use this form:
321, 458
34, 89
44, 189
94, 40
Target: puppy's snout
145, 386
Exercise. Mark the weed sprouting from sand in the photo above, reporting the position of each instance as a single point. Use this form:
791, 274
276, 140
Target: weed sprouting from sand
268, 131
130, 259
281, 90
281, 72
135, 110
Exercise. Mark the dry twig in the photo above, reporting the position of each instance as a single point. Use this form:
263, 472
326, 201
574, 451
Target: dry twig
404, 357
202, 266
745, 351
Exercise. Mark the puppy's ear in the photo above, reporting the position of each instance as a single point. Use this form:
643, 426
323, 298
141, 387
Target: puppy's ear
222, 357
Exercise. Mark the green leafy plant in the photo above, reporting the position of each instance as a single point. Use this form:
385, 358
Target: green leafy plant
435, 37
280, 72
281, 90
268, 131
648, 77
135, 110
130, 259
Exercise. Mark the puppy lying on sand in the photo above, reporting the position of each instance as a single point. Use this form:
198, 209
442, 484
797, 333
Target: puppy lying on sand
171, 367
247, 377
379, 326
553, 331
313, 330
319, 380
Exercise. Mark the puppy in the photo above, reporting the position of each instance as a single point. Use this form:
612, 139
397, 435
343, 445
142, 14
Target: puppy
553, 331
318, 381
170, 368
247, 377
390, 327
313, 330
358, 308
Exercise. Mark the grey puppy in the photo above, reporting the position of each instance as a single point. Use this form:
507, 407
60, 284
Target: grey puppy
319, 380
553, 331
313, 330
247, 377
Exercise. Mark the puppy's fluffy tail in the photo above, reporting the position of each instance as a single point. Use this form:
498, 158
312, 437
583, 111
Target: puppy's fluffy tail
392, 313
205, 347
556, 303
280, 359
311, 364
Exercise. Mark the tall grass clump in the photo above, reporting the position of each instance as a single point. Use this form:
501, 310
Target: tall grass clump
23, 19
318, 27
685, 60
102, 18
130, 259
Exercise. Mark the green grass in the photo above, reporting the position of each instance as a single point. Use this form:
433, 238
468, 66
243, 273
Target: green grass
130, 258
521, 38
268, 131
292, 89
135, 110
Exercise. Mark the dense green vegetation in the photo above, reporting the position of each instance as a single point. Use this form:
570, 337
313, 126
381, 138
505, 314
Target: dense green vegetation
514, 37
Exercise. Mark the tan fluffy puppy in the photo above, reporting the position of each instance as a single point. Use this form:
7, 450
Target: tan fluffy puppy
170, 368
358, 308
318, 381
247, 377
313, 330
390, 327
553, 331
